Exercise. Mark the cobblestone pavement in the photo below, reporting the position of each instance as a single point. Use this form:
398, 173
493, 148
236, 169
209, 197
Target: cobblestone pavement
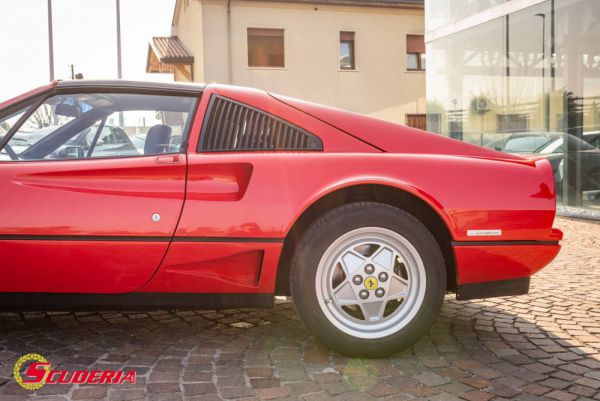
545, 345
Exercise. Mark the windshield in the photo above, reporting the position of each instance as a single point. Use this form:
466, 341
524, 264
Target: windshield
6, 124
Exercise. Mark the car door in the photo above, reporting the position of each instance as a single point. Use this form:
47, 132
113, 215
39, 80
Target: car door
96, 216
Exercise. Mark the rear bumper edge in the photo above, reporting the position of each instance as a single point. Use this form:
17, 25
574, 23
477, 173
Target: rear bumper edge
500, 288
485, 262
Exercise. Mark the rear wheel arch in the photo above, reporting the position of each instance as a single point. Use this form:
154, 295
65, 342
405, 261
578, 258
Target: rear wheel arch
381, 193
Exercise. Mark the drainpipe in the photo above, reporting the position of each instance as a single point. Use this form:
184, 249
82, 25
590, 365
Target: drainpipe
229, 64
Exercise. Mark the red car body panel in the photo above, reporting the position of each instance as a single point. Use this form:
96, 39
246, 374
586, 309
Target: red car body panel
225, 216
87, 198
248, 267
99, 267
482, 263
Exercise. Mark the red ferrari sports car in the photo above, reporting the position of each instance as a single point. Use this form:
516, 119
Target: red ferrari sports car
119, 194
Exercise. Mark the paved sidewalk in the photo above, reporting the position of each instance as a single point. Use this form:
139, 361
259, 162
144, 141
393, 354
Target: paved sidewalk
543, 346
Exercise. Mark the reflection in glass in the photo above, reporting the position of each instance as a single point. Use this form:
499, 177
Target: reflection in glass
526, 83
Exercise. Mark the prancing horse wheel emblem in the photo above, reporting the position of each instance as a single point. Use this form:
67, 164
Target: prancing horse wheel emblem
371, 283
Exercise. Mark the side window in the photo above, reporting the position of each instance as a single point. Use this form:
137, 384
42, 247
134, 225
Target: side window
102, 125
232, 126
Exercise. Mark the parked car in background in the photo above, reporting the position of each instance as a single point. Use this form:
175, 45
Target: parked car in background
589, 164
367, 224
553, 145
593, 138
520, 143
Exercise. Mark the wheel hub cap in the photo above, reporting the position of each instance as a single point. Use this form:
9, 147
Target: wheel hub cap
370, 282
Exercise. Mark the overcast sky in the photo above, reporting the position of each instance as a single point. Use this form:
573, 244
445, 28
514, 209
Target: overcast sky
84, 35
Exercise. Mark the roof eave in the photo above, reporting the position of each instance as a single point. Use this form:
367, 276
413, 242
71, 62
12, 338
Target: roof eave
352, 3
176, 60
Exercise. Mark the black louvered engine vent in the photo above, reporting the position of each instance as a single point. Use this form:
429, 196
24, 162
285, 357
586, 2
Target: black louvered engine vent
232, 126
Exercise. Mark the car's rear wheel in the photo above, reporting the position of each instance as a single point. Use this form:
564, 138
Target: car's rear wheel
368, 279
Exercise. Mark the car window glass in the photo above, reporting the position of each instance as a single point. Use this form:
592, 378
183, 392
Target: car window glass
102, 125
594, 140
525, 144
131, 130
578, 144
9, 121
6, 124
555, 146
51, 115
113, 141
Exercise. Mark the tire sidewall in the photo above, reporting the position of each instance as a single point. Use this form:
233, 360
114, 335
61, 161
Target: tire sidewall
318, 239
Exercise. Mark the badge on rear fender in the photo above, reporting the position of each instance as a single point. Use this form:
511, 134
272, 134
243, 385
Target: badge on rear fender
483, 233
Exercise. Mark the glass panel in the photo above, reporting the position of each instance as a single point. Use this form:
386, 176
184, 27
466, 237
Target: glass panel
526, 83
347, 55
265, 47
439, 13
9, 121
574, 98
5, 125
412, 61
466, 82
102, 125
54, 113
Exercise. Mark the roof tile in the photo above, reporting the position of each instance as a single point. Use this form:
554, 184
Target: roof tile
171, 50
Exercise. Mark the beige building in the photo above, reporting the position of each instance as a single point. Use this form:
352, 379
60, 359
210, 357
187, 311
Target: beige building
364, 56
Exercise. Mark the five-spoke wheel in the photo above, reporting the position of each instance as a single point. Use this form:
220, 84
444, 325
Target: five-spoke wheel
368, 279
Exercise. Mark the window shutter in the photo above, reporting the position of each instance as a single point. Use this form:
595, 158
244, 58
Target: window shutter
415, 44
346, 35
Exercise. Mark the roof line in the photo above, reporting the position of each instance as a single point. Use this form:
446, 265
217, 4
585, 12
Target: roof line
132, 85
326, 122
399, 4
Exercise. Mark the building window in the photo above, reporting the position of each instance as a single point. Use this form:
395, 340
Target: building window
265, 47
347, 51
415, 52
507, 123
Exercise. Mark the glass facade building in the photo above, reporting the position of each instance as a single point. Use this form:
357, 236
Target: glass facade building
521, 76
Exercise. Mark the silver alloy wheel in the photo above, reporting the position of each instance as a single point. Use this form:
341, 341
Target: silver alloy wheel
370, 282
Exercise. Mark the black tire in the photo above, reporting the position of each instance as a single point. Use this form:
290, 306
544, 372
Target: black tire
318, 238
